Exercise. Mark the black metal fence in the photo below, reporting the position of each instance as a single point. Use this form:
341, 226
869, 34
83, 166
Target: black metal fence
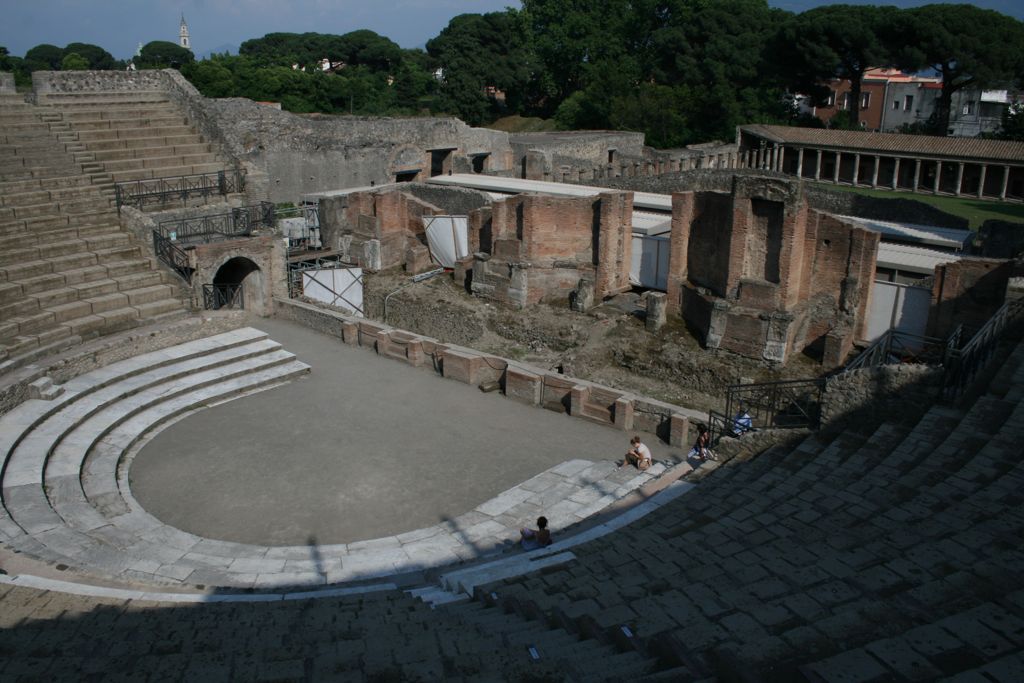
239, 222
963, 364
216, 297
787, 404
163, 191
172, 255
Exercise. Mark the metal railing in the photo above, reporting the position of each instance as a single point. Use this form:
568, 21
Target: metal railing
239, 222
149, 191
176, 258
786, 404
216, 297
964, 363
896, 347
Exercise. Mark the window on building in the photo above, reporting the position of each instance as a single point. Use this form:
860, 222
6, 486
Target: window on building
895, 104
908, 102
830, 101
846, 100
968, 108
865, 100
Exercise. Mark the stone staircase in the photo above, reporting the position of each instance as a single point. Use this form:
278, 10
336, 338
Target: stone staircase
892, 554
381, 635
67, 269
130, 135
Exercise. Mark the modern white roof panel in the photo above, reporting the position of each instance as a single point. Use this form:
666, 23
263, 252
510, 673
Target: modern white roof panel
641, 200
912, 259
931, 235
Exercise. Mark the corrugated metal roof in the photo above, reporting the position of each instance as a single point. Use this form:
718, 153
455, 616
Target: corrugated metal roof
651, 224
912, 259
893, 143
892, 231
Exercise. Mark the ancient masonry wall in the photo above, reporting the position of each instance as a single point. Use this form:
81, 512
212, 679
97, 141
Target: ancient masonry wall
539, 247
517, 381
7, 83
761, 275
968, 291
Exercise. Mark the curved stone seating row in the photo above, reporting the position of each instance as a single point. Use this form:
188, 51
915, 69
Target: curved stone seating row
132, 136
380, 635
67, 497
887, 552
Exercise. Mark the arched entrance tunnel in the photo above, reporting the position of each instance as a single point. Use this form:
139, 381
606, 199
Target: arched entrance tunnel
240, 271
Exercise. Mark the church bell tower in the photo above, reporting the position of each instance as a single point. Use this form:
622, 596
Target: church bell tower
183, 34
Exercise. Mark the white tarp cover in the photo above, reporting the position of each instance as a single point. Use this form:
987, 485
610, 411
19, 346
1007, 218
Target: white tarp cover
899, 307
649, 267
447, 239
342, 287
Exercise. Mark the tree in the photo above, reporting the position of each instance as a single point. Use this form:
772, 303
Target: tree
478, 51
96, 57
161, 54
74, 62
968, 47
841, 41
1013, 123
44, 57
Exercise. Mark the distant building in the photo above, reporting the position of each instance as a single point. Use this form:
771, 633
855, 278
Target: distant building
890, 101
183, 39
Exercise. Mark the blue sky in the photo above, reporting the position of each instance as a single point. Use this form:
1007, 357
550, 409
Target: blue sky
120, 25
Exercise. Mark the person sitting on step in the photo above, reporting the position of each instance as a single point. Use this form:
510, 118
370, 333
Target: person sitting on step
639, 454
531, 539
702, 446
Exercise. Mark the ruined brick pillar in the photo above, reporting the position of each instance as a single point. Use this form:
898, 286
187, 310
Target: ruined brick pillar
614, 244
679, 244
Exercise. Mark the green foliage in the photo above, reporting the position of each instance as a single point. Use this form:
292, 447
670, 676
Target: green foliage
162, 54
74, 62
1013, 123
44, 57
358, 48
95, 56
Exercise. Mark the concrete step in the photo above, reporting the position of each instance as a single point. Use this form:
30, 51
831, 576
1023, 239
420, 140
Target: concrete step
138, 163
88, 136
118, 113
154, 121
169, 172
160, 140
66, 101
150, 152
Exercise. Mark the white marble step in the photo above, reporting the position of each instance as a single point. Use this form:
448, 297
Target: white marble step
108, 549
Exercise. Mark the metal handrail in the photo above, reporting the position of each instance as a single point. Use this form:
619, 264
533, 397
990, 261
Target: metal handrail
964, 363
896, 347
139, 193
216, 297
173, 256
239, 222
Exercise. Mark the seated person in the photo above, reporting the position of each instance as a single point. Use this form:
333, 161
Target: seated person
531, 539
702, 446
742, 423
639, 454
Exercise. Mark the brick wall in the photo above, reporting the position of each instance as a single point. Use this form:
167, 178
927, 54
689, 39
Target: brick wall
968, 291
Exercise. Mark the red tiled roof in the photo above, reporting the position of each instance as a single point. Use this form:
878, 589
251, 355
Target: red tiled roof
893, 143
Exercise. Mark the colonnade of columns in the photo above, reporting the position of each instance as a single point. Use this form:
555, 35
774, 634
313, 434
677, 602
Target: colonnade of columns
917, 174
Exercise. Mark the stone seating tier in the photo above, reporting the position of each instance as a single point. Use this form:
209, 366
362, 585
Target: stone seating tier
888, 552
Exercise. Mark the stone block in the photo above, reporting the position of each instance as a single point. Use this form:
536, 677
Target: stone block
523, 386
577, 400
623, 413
369, 333
657, 305
463, 366
417, 258
679, 430
350, 333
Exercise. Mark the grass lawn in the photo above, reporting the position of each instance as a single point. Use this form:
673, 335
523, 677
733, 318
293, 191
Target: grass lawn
977, 211
523, 124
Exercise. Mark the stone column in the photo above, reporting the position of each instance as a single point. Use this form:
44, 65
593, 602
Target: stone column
656, 306
839, 162
1006, 182
800, 163
896, 173
959, 177
874, 175
780, 158
856, 169
938, 177
917, 174
817, 164
981, 180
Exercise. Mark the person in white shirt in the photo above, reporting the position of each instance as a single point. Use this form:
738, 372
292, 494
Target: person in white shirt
639, 454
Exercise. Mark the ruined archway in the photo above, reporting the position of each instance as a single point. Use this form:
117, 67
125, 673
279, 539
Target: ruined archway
239, 271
